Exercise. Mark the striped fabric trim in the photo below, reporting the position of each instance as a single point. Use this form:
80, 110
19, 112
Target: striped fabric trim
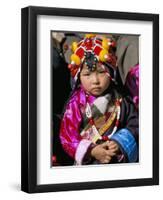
81, 151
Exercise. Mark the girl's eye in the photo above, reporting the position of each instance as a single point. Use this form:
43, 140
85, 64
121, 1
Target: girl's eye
101, 72
86, 74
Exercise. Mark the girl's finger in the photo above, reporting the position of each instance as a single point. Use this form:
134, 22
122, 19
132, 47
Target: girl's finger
105, 161
110, 153
115, 149
112, 142
112, 146
108, 158
105, 144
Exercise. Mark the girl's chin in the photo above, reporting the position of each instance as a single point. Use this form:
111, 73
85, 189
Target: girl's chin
96, 93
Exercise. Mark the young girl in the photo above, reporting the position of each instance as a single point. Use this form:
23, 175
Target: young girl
98, 125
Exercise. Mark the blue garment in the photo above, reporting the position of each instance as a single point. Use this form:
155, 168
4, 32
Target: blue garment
127, 143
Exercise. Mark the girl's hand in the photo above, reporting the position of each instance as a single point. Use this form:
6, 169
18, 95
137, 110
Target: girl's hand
113, 147
102, 153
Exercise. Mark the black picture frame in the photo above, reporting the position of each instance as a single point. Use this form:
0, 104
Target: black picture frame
29, 98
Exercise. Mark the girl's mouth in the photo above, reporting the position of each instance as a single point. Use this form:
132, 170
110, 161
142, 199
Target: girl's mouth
96, 89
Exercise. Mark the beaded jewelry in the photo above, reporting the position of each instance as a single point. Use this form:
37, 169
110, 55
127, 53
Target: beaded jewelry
98, 133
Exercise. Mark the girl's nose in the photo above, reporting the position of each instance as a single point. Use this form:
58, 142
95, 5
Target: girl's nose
95, 79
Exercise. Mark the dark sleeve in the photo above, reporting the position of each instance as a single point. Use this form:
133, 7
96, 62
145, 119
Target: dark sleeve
129, 117
127, 135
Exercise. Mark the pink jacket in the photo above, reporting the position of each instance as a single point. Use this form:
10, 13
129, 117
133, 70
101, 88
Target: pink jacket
70, 137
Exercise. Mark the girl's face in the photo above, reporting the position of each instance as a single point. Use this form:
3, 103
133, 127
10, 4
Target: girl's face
94, 82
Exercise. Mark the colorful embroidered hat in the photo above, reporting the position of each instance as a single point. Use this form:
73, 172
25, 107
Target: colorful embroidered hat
91, 50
